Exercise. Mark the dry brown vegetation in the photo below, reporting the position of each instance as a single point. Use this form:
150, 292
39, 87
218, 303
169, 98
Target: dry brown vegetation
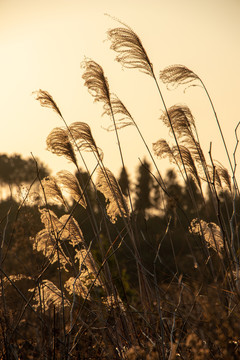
87, 272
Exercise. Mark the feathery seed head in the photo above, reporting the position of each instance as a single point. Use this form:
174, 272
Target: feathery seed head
211, 232
49, 296
70, 231
182, 153
162, 150
48, 239
181, 118
58, 143
72, 186
224, 177
183, 124
107, 184
83, 136
96, 82
122, 116
46, 100
131, 53
175, 75
52, 191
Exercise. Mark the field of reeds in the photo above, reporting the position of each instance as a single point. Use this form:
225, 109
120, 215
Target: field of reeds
93, 267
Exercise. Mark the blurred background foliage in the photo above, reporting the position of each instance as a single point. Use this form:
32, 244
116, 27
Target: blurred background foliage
161, 224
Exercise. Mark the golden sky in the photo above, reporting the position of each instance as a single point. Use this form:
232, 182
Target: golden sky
43, 43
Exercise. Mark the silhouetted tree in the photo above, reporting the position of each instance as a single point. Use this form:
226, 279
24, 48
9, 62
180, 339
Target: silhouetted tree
186, 197
176, 194
156, 195
15, 170
86, 184
124, 181
192, 198
143, 187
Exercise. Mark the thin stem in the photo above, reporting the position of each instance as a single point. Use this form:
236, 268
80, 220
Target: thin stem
189, 188
222, 136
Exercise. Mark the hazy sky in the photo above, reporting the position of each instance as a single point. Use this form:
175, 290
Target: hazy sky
43, 43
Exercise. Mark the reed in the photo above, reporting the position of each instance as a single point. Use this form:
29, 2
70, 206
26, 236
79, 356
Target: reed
104, 289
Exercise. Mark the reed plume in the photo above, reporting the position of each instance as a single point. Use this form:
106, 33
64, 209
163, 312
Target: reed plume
224, 177
162, 150
70, 231
70, 184
46, 100
177, 75
80, 285
131, 53
183, 123
219, 176
58, 143
87, 276
46, 243
107, 184
182, 119
81, 132
52, 191
96, 82
47, 239
98, 86
47, 295
183, 154
122, 116
178, 155
211, 232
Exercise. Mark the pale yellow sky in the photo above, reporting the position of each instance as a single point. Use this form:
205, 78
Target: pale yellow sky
43, 43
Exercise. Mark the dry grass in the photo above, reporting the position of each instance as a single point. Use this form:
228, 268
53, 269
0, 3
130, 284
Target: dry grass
80, 301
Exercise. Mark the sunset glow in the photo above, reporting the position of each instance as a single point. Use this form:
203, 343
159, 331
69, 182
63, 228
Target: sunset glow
43, 44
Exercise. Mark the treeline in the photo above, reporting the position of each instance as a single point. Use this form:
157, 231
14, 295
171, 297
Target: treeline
161, 218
